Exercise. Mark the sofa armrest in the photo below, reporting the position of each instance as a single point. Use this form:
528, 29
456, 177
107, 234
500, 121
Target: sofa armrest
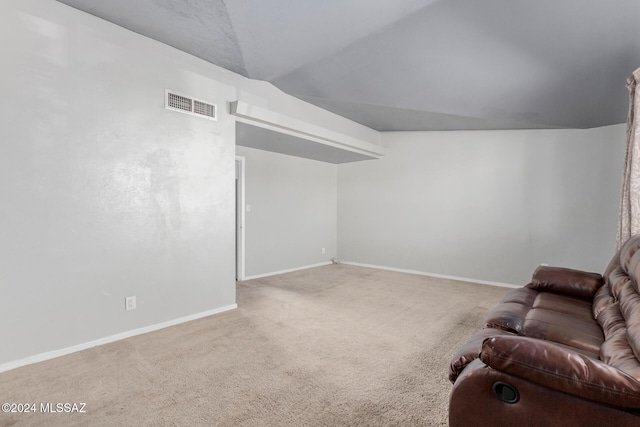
471, 351
566, 281
544, 363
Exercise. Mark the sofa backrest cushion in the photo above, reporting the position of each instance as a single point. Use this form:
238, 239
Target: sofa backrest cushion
566, 281
628, 251
601, 301
623, 283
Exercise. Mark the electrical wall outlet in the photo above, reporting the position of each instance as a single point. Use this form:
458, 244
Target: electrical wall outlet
323, 251
130, 303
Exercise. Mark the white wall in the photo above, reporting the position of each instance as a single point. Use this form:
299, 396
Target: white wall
105, 194
485, 205
293, 212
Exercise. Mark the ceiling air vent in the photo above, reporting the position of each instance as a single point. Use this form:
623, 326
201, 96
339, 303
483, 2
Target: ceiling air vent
185, 104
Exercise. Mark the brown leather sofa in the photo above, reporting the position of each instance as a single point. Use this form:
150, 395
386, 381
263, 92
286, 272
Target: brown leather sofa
563, 350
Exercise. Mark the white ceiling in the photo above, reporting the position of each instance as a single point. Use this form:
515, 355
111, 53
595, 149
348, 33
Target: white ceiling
414, 64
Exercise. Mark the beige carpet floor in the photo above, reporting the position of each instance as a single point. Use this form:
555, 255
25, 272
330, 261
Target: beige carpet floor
331, 346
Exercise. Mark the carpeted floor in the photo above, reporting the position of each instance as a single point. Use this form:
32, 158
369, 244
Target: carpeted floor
330, 346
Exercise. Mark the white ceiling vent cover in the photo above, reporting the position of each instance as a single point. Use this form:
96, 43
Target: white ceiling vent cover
188, 105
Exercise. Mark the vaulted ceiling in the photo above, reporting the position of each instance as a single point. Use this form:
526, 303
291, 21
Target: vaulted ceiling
414, 64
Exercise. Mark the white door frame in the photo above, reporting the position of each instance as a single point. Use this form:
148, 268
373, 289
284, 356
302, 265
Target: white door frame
240, 203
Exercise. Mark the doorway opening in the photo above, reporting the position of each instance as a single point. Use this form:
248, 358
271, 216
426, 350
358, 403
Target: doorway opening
240, 218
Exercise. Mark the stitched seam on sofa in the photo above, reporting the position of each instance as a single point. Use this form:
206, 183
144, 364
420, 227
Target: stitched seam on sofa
587, 384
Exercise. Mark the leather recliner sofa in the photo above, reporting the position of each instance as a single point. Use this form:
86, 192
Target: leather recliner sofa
562, 350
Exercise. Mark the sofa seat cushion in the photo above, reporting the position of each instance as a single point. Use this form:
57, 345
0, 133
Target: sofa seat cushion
574, 330
549, 316
572, 307
564, 320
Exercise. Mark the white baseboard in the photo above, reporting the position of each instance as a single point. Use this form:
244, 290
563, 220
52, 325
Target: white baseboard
68, 350
275, 273
439, 276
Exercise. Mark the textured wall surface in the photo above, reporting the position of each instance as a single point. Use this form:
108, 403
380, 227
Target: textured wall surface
486, 205
105, 194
